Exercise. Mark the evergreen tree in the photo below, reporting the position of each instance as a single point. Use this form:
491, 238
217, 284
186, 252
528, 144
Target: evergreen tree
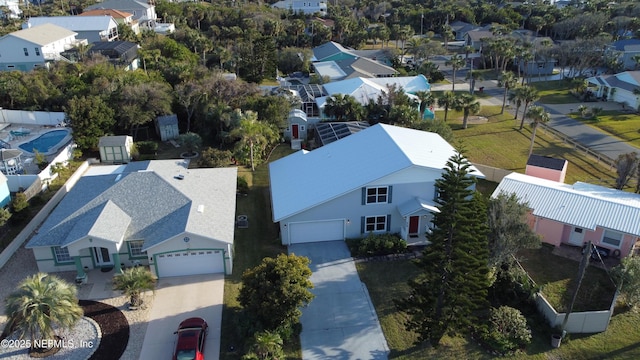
452, 287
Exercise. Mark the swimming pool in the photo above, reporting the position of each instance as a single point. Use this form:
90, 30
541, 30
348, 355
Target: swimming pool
45, 142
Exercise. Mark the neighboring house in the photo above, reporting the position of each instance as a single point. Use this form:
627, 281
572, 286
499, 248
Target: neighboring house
13, 7
574, 214
141, 10
5, 195
619, 87
365, 90
297, 126
35, 47
120, 53
92, 28
461, 28
308, 7
337, 62
179, 221
11, 162
476, 38
541, 64
546, 167
628, 49
115, 149
121, 17
167, 127
378, 180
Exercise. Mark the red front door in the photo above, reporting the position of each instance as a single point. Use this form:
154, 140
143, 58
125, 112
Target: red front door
414, 221
294, 131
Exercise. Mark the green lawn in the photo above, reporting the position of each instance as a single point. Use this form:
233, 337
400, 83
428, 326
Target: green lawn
499, 143
622, 125
554, 92
388, 280
558, 281
251, 245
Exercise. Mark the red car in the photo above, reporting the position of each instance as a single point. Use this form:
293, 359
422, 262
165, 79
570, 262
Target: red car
191, 336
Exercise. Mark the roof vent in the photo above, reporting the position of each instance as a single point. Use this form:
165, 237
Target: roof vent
179, 177
118, 177
200, 208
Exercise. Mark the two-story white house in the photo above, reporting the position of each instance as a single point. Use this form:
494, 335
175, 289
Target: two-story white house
308, 7
35, 47
92, 28
378, 180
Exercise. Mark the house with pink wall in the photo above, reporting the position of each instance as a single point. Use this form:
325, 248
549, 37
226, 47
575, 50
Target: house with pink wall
575, 214
546, 167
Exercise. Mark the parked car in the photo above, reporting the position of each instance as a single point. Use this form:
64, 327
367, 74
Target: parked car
192, 334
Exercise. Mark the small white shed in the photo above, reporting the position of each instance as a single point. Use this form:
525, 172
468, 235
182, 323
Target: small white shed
167, 127
297, 125
115, 149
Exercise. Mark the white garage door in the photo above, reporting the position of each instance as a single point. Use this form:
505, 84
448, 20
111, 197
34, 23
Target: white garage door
316, 231
190, 262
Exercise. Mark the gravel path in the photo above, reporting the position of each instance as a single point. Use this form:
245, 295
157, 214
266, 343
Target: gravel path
23, 264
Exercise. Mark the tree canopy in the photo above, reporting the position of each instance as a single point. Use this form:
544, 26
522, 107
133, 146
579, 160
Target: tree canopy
452, 285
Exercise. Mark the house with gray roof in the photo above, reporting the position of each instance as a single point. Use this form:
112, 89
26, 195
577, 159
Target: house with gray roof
618, 87
380, 179
564, 214
176, 220
338, 63
627, 50
141, 10
93, 28
120, 53
36, 46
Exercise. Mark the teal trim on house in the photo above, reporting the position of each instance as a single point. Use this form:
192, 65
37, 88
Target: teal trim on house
116, 263
79, 270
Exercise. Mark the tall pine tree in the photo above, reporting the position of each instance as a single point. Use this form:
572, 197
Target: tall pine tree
452, 287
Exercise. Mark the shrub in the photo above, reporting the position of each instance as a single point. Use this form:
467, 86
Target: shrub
376, 245
213, 158
147, 147
508, 330
20, 208
243, 186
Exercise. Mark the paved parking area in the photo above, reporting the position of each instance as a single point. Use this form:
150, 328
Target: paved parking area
179, 298
340, 322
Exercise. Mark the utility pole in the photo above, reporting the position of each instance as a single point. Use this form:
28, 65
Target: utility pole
421, 22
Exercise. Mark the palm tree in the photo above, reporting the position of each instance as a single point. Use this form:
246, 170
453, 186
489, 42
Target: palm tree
40, 303
268, 345
447, 101
508, 81
538, 115
426, 100
343, 106
514, 98
474, 75
254, 136
527, 95
132, 282
191, 141
468, 104
456, 62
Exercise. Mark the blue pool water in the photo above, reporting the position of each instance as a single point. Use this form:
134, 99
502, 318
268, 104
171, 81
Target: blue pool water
44, 142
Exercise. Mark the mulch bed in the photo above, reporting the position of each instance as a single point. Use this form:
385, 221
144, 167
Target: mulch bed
114, 327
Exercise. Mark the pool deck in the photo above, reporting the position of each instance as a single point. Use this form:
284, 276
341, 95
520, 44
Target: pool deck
15, 141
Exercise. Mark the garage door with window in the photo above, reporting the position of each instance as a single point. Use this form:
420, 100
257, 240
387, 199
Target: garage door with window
190, 262
306, 232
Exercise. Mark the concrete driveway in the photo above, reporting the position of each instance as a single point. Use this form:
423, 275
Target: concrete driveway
179, 298
340, 322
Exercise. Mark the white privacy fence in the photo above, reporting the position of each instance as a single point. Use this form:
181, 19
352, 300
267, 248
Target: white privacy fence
43, 118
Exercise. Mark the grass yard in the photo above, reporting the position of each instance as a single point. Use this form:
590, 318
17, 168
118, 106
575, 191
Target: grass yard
499, 143
555, 92
558, 282
388, 280
622, 125
251, 245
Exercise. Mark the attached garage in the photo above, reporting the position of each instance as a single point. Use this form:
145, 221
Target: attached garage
190, 262
306, 232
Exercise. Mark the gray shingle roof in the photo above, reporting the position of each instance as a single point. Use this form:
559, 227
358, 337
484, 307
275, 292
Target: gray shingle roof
145, 202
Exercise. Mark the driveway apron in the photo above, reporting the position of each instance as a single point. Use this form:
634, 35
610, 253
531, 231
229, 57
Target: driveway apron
340, 322
179, 298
